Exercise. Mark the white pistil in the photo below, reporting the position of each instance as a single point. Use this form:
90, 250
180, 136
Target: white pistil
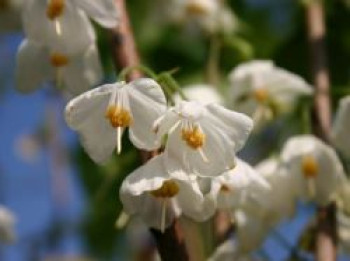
163, 217
122, 220
119, 140
311, 187
58, 27
201, 152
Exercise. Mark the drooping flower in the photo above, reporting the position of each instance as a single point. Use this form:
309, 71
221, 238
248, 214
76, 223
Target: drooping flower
314, 168
237, 184
202, 93
102, 114
151, 193
341, 126
264, 91
36, 65
7, 221
202, 139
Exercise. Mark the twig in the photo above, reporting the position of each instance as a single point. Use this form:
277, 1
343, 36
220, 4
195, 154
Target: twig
170, 244
326, 236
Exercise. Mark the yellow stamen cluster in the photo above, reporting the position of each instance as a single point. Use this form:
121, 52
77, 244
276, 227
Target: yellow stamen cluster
118, 117
261, 95
55, 8
58, 60
168, 190
225, 189
196, 8
309, 166
193, 137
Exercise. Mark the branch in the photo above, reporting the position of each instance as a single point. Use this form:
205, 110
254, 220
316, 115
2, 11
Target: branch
170, 244
326, 236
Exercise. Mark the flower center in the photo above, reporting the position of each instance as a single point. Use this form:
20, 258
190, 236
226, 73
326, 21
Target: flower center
193, 137
261, 95
225, 189
118, 117
58, 60
309, 166
55, 8
196, 8
168, 190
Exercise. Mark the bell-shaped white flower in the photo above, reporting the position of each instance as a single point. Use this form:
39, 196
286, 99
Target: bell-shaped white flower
264, 91
237, 184
158, 198
202, 93
279, 202
7, 221
76, 73
341, 126
314, 168
251, 232
101, 115
58, 25
202, 139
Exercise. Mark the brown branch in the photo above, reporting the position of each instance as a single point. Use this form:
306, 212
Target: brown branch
170, 244
326, 237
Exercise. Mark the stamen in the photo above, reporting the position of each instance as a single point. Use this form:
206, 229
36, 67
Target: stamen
163, 217
261, 95
58, 28
194, 137
55, 8
122, 220
118, 117
58, 60
168, 189
119, 140
309, 166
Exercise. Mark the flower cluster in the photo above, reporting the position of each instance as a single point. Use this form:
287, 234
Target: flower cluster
61, 43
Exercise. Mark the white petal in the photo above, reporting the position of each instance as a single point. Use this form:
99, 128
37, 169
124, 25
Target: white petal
103, 11
203, 93
341, 127
86, 114
82, 72
32, 66
146, 178
237, 125
147, 103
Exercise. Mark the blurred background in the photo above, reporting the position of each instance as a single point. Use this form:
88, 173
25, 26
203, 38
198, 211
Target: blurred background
66, 206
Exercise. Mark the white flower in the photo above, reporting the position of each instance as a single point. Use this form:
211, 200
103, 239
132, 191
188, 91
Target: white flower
202, 93
279, 202
7, 221
251, 232
263, 90
237, 184
158, 198
314, 168
35, 65
202, 139
102, 114
341, 126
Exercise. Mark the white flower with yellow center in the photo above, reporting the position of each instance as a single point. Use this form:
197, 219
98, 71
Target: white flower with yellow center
202, 139
151, 193
102, 114
341, 127
314, 168
236, 185
263, 91
77, 73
